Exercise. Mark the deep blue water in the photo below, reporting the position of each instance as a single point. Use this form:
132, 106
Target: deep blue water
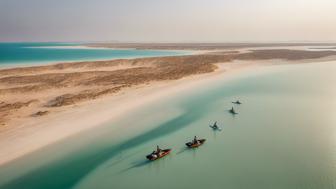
21, 54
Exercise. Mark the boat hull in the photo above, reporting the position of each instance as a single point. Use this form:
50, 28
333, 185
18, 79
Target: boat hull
163, 154
191, 145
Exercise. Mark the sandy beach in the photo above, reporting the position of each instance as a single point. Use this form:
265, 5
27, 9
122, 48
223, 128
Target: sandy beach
40, 131
44, 104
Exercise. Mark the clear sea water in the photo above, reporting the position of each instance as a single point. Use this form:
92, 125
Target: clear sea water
23, 54
284, 137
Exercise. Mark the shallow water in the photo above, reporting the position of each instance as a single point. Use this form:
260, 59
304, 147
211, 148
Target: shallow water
23, 54
283, 137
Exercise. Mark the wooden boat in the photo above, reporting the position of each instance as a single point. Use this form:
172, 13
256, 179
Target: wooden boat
154, 156
195, 145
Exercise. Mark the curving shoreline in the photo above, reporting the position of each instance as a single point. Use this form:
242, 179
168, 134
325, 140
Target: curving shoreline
38, 103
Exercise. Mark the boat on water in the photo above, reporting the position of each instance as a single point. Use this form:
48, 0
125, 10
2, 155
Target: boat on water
158, 153
237, 102
195, 143
215, 127
232, 111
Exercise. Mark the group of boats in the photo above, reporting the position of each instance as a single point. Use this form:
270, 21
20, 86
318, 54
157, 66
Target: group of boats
195, 143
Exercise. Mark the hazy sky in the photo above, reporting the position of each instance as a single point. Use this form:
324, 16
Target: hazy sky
168, 20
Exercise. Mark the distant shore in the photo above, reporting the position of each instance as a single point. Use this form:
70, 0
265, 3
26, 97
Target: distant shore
206, 46
40, 54
38, 104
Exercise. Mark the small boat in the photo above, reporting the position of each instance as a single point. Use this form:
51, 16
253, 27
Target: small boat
237, 102
195, 143
158, 154
232, 111
215, 127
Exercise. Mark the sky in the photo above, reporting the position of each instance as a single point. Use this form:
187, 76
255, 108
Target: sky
168, 20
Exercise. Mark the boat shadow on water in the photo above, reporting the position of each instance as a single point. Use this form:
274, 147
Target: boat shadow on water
144, 163
183, 150
123, 156
186, 149
135, 165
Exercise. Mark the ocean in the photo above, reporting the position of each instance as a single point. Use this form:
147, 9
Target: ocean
27, 54
282, 137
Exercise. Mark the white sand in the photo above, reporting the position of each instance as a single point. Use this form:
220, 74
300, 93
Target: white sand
39, 132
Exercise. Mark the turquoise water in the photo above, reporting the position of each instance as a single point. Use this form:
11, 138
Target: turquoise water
16, 54
283, 137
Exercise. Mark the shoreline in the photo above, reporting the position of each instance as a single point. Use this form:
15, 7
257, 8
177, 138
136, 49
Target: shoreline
37, 134
167, 76
209, 46
56, 62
